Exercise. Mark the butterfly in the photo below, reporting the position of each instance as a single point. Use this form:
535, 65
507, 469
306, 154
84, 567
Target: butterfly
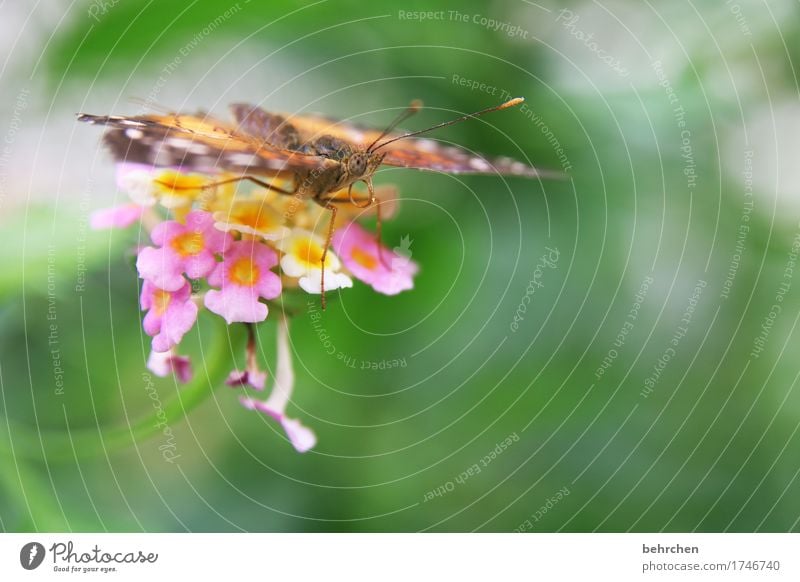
318, 156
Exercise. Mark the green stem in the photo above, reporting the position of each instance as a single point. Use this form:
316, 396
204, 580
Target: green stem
65, 445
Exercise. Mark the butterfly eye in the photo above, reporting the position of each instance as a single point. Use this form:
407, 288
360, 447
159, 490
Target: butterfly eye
357, 165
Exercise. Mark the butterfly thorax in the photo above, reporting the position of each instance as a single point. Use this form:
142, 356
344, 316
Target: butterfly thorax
354, 164
327, 146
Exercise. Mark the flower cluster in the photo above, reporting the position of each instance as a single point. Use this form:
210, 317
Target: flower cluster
232, 251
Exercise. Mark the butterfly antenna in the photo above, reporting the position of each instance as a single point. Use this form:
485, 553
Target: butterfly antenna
412, 108
509, 103
150, 105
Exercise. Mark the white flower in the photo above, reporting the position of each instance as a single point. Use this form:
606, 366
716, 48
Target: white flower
302, 258
137, 181
254, 217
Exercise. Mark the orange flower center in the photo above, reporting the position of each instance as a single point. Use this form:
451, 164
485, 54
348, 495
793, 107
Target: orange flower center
309, 252
161, 301
188, 244
256, 216
178, 184
364, 259
244, 272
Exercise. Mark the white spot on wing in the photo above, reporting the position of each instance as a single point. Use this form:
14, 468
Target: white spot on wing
134, 133
427, 145
162, 157
242, 159
197, 148
479, 165
179, 142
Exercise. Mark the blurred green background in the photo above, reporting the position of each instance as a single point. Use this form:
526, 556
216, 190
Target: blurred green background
677, 126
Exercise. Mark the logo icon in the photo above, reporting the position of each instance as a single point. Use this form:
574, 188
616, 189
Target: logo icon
403, 253
31, 555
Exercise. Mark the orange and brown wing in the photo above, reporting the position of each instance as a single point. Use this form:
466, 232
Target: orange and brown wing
420, 154
313, 126
199, 143
427, 154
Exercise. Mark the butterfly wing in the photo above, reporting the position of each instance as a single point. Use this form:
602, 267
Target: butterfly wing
271, 128
427, 154
420, 154
311, 127
199, 143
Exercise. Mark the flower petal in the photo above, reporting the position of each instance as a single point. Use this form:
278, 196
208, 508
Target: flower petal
302, 438
163, 364
115, 217
388, 272
236, 304
253, 378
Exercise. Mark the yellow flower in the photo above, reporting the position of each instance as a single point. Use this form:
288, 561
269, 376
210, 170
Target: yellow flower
255, 217
302, 259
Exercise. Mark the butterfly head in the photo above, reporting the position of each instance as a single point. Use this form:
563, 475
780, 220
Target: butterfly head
362, 164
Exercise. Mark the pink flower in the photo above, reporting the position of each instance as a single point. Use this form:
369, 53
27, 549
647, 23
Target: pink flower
252, 375
170, 314
386, 271
115, 217
164, 364
301, 437
244, 276
253, 378
184, 248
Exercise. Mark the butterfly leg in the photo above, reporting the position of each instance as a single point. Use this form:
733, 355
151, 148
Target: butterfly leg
379, 235
327, 206
379, 223
329, 203
361, 202
252, 179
